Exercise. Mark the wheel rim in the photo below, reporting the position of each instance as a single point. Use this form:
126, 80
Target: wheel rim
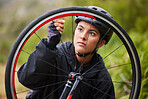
135, 61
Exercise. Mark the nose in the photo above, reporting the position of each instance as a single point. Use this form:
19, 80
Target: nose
84, 36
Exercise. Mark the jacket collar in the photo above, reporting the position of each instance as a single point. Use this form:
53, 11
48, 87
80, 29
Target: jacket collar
96, 65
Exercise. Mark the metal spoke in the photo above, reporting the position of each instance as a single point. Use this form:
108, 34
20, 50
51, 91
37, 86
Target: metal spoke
113, 51
72, 29
91, 67
108, 68
45, 74
112, 81
103, 58
91, 53
54, 91
80, 94
55, 66
129, 83
37, 36
118, 66
49, 63
97, 89
83, 61
25, 52
42, 87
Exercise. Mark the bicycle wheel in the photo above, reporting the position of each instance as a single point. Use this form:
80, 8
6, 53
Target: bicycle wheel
129, 78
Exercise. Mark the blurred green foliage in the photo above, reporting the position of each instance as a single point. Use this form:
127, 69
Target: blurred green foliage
132, 15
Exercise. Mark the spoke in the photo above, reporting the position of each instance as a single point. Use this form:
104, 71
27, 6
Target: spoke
118, 66
37, 36
54, 91
108, 68
96, 89
72, 29
112, 81
26, 52
49, 63
92, 52
80, 94
55, 66
45, 74
129, 83
91, 68
42, 86
62, 33
113, 51
23, 91
83, 61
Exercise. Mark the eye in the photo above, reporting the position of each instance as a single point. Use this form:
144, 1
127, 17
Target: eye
92, 33
80, 29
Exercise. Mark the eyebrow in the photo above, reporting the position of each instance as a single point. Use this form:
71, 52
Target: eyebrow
94, 31
89, 29
81, 26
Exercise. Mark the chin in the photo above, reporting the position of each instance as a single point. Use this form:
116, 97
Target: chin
81, 50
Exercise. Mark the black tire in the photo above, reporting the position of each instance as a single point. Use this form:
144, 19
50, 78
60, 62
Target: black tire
70, 11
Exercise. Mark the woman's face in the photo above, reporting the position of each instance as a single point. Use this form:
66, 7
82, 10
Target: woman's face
86, 37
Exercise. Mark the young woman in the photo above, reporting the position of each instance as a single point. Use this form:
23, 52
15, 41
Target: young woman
79, 56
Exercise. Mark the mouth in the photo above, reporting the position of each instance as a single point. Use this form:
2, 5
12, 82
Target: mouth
81, 44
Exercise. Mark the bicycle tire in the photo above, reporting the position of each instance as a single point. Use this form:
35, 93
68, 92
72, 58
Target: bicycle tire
71, 11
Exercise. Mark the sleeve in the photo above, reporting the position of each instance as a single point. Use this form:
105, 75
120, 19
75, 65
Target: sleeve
34, 73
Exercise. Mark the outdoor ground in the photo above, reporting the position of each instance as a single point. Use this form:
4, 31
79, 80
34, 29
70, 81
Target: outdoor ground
2, 81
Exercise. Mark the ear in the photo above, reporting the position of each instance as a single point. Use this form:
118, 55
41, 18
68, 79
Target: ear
101, 43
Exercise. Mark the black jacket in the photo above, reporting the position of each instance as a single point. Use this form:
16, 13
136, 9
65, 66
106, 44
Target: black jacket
38, 73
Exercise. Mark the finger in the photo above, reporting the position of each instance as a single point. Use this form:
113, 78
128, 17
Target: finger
59, 29
59, 25
60, 21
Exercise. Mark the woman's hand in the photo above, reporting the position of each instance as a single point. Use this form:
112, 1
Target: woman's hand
55, 30
59, 24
